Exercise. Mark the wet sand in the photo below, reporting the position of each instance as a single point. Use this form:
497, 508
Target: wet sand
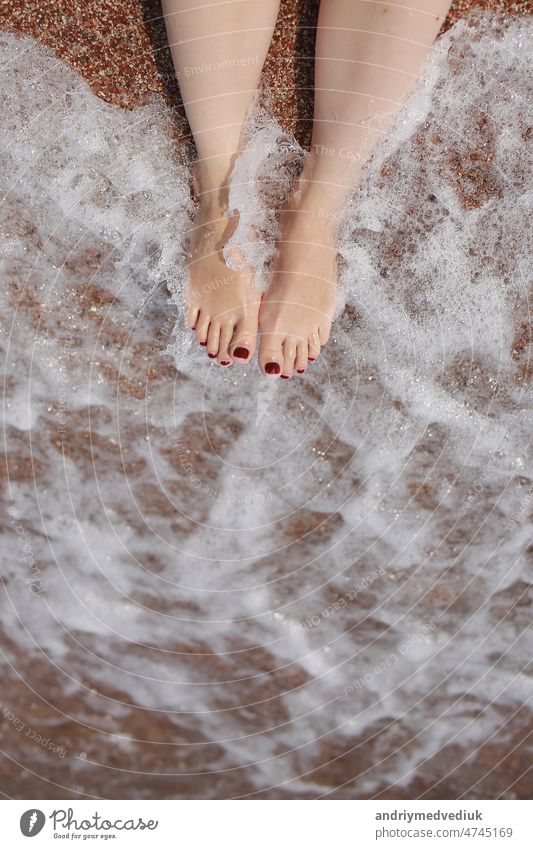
119, 47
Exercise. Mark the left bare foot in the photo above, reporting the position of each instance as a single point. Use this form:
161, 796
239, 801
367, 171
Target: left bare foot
222, 305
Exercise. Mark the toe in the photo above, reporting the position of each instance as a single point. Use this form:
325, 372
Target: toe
244, 338
289, 356
226, 335
271, 354
213, 339
323, 332
313, 346
301, 357
191, 316
202, 329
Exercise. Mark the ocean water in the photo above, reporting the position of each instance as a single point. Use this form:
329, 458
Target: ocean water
219, 586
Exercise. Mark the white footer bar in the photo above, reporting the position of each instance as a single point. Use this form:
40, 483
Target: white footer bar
255, 824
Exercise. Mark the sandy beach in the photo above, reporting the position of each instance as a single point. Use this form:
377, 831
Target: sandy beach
69, 730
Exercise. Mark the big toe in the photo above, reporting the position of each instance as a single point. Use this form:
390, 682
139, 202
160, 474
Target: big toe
244, 339
271, 354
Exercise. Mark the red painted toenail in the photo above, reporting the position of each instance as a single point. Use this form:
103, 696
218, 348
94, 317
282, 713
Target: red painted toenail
285, 377
272, 368
203, 344
224, 362
241, 353
311, 359
300, 370
212, 356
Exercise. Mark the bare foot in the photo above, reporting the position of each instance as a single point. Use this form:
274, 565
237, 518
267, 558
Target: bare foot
222, 306
298, 307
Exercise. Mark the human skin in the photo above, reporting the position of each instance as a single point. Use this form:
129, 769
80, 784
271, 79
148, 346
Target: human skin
218, 49
368, 56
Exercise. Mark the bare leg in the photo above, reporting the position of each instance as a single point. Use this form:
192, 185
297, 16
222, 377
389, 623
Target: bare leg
368, 56
218, 48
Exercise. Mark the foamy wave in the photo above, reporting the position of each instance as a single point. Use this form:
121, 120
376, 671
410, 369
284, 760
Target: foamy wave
281, 588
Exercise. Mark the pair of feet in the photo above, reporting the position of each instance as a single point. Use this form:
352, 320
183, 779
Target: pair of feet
293, 317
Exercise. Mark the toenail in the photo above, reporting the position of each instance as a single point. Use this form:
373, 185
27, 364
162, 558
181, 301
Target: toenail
272, 368
311, 359
224, 362
203, 344
300, 370
212, 356
285, 377
241, 353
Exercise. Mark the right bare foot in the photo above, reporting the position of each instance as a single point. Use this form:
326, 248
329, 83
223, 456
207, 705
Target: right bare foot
222, 306
299, 304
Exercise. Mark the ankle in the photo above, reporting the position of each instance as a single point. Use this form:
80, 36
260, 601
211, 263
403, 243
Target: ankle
309, 213
323, 193
324, 209
211, 183
212, 204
